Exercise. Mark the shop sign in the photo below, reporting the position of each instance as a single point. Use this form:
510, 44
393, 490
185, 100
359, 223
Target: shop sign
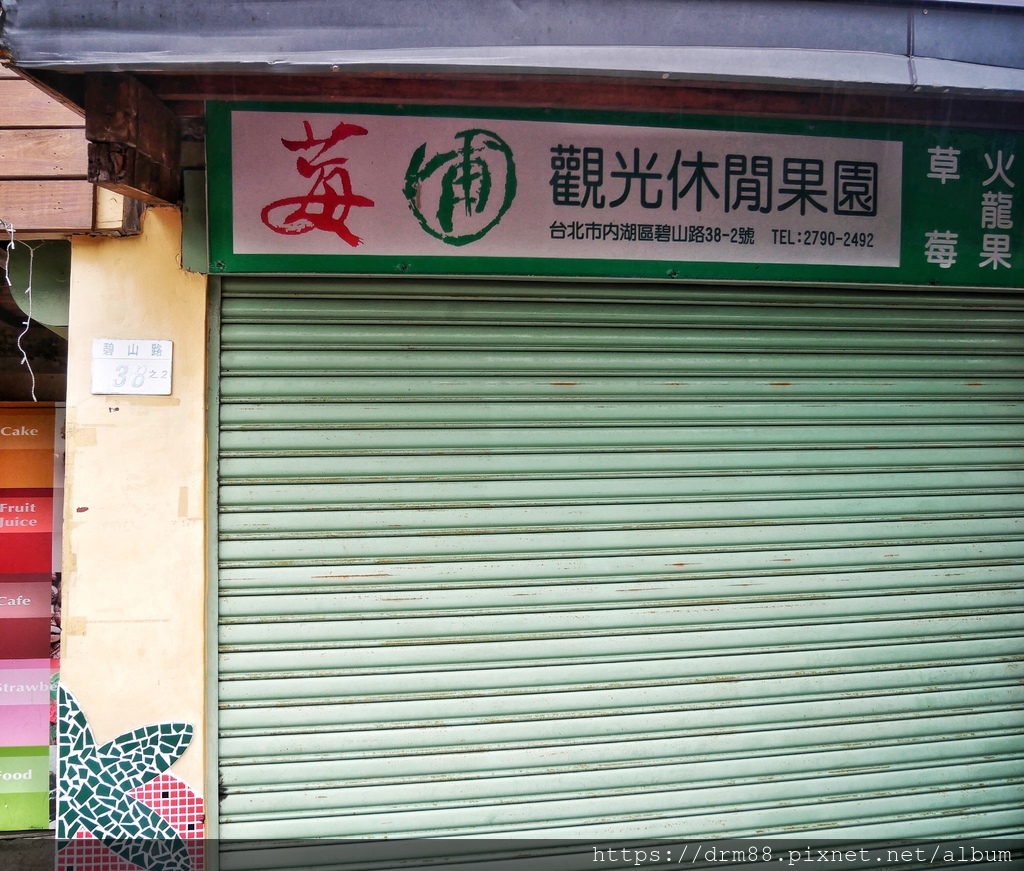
31, 505
371, 189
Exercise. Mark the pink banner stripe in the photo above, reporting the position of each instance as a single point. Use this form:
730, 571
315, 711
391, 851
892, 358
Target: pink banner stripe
24, 725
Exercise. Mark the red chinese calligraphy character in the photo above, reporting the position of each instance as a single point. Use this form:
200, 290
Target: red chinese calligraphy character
327, 204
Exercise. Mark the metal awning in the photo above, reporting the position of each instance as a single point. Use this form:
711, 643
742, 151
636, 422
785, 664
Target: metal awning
957, 47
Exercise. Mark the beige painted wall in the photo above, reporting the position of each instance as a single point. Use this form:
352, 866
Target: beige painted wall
134, 601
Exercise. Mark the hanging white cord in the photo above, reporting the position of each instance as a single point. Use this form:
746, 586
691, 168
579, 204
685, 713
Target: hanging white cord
28, 291
10, 247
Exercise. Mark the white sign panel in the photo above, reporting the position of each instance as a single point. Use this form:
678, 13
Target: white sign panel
132, 366
362, 184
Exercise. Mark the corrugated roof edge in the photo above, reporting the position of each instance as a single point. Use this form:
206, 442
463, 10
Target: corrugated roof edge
951, 46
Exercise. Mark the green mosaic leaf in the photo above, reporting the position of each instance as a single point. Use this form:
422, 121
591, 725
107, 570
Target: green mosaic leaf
137, 833
93, 785
153, 855
137, 757
75, 748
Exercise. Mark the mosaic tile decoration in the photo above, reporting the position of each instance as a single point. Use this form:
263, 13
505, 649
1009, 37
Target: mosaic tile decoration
173, 800
94, 784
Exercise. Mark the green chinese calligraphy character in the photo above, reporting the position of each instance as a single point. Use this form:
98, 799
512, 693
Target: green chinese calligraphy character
458, 196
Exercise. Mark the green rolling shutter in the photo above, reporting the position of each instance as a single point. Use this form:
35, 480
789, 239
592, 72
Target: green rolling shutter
574, 561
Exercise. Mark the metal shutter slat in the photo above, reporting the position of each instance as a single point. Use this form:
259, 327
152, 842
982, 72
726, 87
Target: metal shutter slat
569, 561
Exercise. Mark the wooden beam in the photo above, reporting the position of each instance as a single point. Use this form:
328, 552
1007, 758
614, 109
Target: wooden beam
45, 152
131, 173
22, 104
188, 91
47, 206
134, 139
67, 89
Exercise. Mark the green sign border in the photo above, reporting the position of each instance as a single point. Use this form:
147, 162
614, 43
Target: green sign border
927, 205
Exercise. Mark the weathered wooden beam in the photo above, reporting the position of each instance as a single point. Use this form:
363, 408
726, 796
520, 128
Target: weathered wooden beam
134, 139
22, 104
56, 205
44, 152
188, 91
